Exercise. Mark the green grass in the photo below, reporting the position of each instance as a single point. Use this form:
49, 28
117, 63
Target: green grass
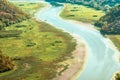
80, 13
116, 40
30, 8
36, 51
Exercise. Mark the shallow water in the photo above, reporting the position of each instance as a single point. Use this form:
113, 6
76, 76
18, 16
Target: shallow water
101, 62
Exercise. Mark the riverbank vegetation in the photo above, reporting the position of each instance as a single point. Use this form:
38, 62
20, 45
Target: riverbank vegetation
81, 13
10, 14
109, 25
117, 76
116, 40
36, 48
96, 4
106, 22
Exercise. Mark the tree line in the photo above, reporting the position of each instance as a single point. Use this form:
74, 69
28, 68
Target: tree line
110, 22
97, 4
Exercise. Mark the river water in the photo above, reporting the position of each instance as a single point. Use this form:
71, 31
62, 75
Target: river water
101, 63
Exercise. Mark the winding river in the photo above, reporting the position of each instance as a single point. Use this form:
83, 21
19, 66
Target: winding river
101, 63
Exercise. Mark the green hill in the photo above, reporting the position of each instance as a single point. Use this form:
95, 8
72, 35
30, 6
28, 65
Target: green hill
10, 14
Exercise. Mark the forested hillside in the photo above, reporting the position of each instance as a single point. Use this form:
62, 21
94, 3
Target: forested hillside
110, 23
10, 14
97, 4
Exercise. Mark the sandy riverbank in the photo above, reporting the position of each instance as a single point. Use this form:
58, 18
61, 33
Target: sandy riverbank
87, 25
76, 65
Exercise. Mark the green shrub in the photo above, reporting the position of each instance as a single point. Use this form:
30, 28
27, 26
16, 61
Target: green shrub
117, 76
19, 26
10, 33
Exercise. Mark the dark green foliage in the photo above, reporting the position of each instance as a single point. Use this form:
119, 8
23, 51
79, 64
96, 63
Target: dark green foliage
30, 44
19, 26
97, 4
110, 23
55, 4
10, 14
70, 15
94, 15
10, 33
117, 76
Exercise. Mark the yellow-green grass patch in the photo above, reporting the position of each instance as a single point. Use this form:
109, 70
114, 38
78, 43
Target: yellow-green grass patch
81, 13
116, 40
30, 8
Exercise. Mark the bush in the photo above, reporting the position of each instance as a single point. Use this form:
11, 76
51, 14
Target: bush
6, 63
19, 26
117, 76
10, 33
95, 15
71, 15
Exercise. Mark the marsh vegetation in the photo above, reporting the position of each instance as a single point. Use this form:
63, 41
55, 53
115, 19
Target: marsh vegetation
36, 48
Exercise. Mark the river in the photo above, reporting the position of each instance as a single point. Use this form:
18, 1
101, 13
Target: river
101, 63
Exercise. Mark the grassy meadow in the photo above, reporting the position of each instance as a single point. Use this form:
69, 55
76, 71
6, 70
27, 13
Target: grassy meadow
80, 13
37, 48
30, 8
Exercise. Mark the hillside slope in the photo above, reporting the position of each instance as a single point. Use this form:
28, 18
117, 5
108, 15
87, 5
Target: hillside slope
10, 14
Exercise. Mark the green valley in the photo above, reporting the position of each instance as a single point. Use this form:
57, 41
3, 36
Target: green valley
36, 48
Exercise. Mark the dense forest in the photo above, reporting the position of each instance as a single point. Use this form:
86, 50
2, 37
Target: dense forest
110, 23
97, 4
10, 14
